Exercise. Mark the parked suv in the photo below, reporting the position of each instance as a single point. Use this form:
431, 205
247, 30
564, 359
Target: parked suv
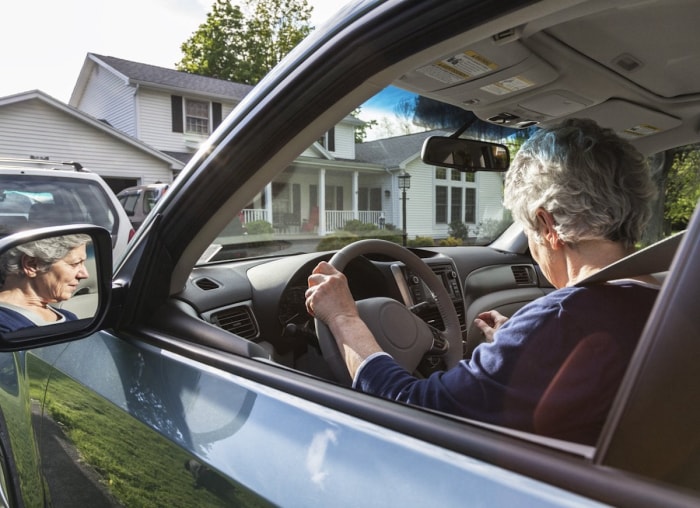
138, 201
37, 193
203, 380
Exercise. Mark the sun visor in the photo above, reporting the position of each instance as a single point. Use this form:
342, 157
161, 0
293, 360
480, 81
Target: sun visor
482, 74
630, 121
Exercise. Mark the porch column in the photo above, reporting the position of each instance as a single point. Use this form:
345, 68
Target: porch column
268, 203
322, 202
355, 195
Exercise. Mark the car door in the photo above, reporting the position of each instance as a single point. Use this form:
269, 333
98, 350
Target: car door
125, 423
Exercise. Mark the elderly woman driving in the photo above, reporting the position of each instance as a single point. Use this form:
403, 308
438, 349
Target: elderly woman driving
582, 195
37, 274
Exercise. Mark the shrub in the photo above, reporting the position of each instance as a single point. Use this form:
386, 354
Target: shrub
336, 241
356, 226
450, 241
259, 227
458, 229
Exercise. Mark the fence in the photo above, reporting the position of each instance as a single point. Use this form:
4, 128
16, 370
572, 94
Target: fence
253, 214
335, 219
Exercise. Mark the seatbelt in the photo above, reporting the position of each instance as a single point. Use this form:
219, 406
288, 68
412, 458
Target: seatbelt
652, 259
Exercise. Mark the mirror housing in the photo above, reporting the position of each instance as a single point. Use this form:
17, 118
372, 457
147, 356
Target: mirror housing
97, 293
468, 155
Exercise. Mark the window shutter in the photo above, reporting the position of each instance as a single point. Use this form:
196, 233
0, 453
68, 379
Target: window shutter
215, 114
331, 140
176, 111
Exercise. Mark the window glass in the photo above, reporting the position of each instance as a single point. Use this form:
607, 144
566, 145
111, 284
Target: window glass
28, 201
455, 204
197, 117
441, 204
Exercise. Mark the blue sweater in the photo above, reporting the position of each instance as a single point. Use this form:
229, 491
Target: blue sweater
504, 382
11, 320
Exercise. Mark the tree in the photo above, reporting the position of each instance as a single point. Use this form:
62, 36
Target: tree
243, 46
682, 187
431, 114
361, 131
216, 47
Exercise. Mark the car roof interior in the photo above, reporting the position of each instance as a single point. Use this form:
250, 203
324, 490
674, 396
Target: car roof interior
541, 72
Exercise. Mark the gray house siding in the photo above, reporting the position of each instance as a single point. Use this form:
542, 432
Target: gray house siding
34, 127
108, 97
155, 126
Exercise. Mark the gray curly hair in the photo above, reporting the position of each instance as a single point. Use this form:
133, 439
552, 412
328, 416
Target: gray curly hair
594, 183
46, 252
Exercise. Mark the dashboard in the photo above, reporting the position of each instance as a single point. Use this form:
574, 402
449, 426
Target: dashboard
262, 300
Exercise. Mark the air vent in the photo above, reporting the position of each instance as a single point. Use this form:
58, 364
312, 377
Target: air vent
238, 320
524, 275
207, 284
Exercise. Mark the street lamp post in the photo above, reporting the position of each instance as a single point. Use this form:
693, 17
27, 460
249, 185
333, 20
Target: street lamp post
404, 183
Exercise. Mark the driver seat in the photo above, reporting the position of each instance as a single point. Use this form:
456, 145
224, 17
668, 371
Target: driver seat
582, 391
584, 387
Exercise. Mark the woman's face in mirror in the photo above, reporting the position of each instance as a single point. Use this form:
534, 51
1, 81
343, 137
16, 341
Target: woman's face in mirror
61, 280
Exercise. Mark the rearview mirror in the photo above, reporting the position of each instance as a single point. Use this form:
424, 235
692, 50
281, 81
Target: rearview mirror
55, 285
465, 154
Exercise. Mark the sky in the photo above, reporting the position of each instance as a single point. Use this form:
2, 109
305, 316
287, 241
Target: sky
44, 42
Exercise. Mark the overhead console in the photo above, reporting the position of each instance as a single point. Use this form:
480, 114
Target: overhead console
486, 73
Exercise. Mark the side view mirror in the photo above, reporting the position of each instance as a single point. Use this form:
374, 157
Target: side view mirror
76, 263
467, 155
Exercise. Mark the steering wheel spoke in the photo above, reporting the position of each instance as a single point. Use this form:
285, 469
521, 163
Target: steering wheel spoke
440, 344
398, 331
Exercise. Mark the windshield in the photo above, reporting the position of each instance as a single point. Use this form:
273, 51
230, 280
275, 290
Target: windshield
364, 178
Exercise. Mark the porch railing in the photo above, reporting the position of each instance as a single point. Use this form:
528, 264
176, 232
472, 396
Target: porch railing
335, 219
370, 217
253, 214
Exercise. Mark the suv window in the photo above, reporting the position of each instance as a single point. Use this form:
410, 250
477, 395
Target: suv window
129, 201
28, 202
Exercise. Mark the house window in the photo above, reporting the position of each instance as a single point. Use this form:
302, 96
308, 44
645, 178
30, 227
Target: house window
455, 203
441, 204
369, 198
334, 197
197, 117
470, 205
455, 198
193, 116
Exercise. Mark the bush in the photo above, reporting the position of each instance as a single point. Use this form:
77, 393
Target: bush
458, 229
341, 238
451, 241
259, 227
336, 241
356, 226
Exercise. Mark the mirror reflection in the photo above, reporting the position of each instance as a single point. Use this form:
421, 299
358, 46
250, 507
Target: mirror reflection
47, 281
465, 154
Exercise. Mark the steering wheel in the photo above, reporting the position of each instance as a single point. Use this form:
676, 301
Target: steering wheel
398, 331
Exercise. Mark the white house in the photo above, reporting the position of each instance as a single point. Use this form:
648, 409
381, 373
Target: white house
163, 115
169, 110
35, 125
